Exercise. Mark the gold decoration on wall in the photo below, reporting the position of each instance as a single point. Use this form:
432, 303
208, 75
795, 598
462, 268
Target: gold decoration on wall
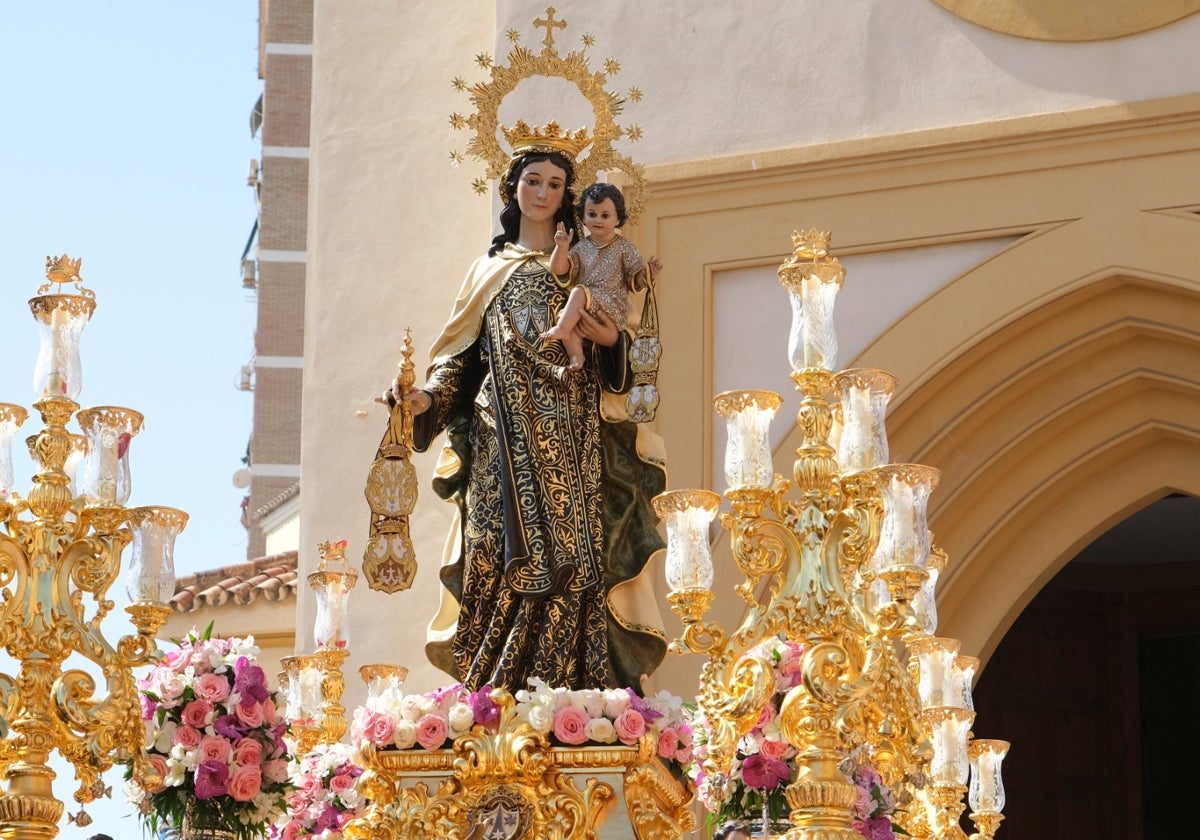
574, 67
513, 776
1070, 20
389, 563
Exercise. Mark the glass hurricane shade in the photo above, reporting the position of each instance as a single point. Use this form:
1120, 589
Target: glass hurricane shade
60, 320
986, 792
904, 534
938, 679
103, 477
382, 678
864, 396
151, 575
949, 729
687, 514
332, 625
304, 698
812, 340
748, 416
11, 418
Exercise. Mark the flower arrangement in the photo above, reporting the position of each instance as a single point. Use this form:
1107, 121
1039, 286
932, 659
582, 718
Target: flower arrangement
764, 763
392, 720
214, 738
326, 795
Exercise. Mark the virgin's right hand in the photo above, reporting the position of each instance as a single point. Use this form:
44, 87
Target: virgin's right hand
418, 401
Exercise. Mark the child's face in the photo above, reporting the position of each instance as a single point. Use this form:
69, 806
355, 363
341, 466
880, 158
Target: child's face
601, 220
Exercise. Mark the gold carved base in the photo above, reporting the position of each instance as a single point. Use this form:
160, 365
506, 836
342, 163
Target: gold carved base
514, 785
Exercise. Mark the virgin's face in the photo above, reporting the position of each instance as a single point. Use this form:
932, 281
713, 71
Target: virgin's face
540, 190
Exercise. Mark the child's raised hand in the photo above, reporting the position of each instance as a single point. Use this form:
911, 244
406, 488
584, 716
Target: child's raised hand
562, 236
655, 265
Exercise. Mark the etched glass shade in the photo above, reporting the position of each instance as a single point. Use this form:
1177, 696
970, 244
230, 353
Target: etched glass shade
964, 675
311, 698
950, 764
925, 603
104, 475
986, 793
864, 397
382, 679
688, 514
904, 534
332, 625
151, 575
60, 319
11, 418
748, 416
812, 340
936, 681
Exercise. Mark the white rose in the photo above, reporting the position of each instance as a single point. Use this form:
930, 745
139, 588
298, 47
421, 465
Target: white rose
461, 719
600, 730
541, 719
616, 700
593, 703
405, 734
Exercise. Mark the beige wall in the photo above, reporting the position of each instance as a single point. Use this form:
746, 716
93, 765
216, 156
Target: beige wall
899, 127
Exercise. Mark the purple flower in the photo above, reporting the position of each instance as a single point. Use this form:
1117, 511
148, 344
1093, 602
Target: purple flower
250, 682
210, 779
483, 707
228, 726
763, 772
879, 828
327, 820
648, 712
148, 707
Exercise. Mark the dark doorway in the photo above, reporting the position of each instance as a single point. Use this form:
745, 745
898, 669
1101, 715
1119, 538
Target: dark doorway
1095, 686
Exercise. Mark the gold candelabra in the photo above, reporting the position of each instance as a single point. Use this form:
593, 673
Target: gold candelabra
313, 683
840, 559
60, 551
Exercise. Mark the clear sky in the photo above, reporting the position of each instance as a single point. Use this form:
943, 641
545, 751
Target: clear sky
125, 140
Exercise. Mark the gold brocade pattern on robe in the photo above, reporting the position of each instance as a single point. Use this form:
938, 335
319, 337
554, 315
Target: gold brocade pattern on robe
533, 594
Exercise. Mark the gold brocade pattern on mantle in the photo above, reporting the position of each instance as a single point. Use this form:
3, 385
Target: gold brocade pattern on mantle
514, 784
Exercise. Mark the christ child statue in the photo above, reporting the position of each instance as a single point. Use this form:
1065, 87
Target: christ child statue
602, 267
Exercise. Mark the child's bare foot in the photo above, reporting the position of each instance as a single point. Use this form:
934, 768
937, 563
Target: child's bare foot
555, 333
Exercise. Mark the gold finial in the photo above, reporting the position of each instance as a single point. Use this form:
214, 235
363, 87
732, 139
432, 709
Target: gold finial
524, 138
63, 269
811, 245
332, 552
551, 24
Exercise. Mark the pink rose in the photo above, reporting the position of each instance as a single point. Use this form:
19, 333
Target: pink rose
270, 713
768, 715
214, 747
187, 737
668, 744
211, 687
630, 726
245, 783
250, 714
773, 748
292, 830
247, 752
160, 768
312, 787
341, 784
380, 727
198, 713
864, 803
431, 731
570, 725
275, 771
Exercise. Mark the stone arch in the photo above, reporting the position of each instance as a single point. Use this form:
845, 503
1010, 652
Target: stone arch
1049, 428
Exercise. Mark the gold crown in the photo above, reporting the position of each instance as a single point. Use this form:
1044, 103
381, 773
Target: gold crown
522, 138
63, 269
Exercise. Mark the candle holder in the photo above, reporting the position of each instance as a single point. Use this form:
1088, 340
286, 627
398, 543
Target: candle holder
58, 565
838, 564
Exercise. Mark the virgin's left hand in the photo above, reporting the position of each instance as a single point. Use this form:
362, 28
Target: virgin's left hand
601, 329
